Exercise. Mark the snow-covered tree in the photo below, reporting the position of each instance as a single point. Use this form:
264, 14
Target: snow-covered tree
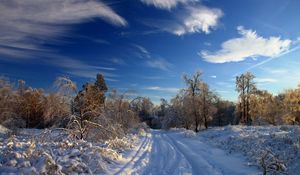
245, 87
193, 84
144, 107
291, 103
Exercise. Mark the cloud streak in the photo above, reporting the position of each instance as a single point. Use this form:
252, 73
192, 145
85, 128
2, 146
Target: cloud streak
249, 45
265, 80
166, 4
161, 64
26, 25
270, 59
163, 89
150, 61
78, 68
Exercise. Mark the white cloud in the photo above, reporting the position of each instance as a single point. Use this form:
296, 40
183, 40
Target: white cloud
265, 80
248, 45
192, 18
213, 76
275, 70
25, 25
279, 71
166, 4
290, 50
157, 88
223, 91
142, 49
199, 19
230, 84
159, 64
69, 63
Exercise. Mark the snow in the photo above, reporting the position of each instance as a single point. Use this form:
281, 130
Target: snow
173, 152
254, 141
34, 151
135, 161
3, 130
233, 150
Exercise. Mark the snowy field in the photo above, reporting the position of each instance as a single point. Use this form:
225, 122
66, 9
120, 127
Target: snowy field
232, 150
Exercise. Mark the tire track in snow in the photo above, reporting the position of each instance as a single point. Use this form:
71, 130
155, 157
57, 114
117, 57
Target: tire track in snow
137, 162
201, 166
206, 159
165, 158
170, 153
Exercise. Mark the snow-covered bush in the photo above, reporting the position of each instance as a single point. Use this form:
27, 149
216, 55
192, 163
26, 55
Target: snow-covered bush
271, 164
281, 142
189, 133
53, 151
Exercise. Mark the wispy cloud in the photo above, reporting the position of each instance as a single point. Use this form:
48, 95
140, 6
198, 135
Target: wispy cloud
161, 64
166, 4
26, 25
272, 58
118, 61
79, 68
249, 45
151, 61
192, 18
223, 91
223, 84
275, 70
95, 40
213, 76
265, 80
163, 89
207, 43
142, 49
62, 61
154, 77
91, 74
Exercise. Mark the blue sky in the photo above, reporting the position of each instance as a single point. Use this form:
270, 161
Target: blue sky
145, 46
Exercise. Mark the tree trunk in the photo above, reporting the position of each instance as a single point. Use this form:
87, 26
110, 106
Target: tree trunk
205, 123
204, 112
196, 124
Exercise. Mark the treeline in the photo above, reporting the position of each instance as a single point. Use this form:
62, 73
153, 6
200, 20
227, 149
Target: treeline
259, 107
23, 106
194, 107
91, 113
197, 106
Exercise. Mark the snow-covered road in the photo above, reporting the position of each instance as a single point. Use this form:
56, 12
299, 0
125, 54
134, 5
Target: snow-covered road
161, 152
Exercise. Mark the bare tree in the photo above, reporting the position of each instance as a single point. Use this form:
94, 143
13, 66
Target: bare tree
58, 103
193, 84
181, 104
245, 87
119, 110
143, 106
207, 101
